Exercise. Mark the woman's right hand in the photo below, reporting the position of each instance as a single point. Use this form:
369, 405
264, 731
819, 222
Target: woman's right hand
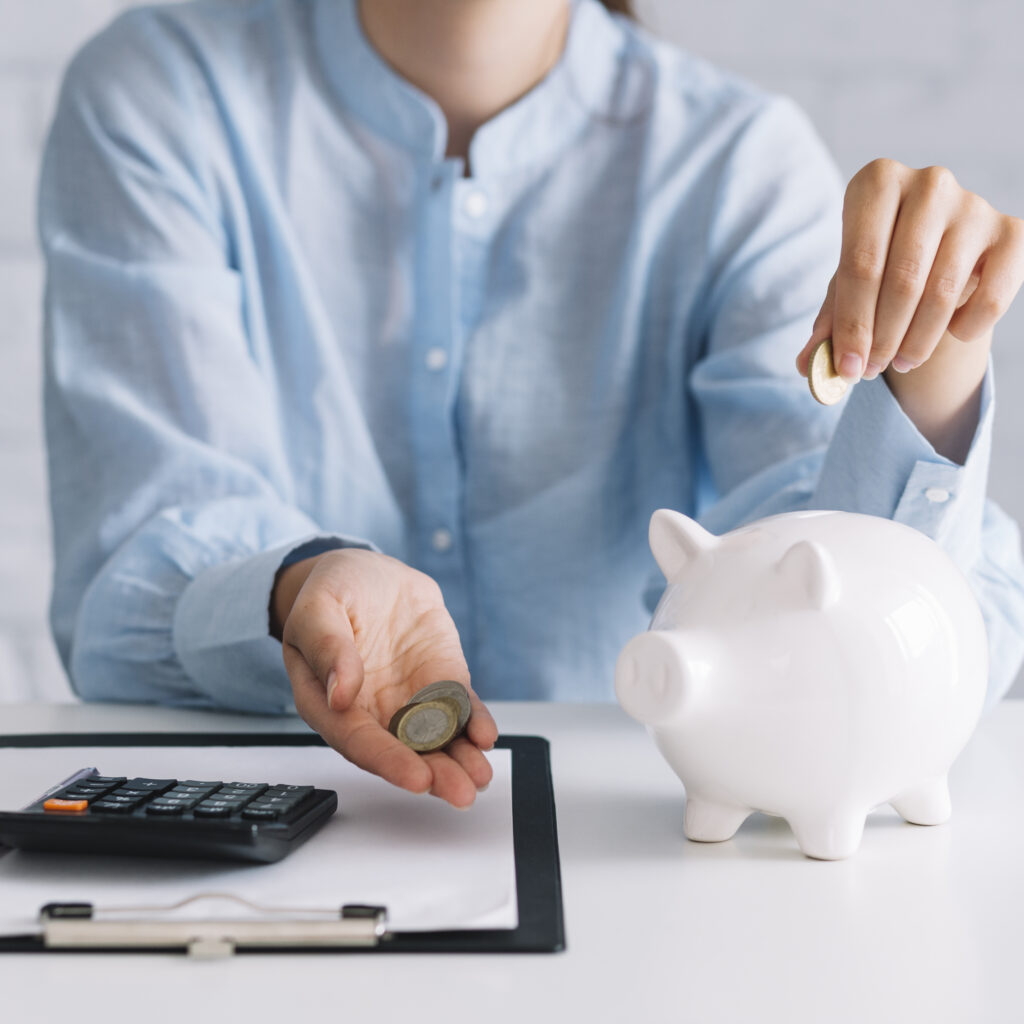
361, 633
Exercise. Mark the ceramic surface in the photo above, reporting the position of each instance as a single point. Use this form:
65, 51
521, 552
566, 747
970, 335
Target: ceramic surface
812, 665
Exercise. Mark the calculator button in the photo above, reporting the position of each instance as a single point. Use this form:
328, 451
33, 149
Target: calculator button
107, 779
110, 807
167, 809
65, 806
185, 805
84, 789
235, 794
260, 814
134, 794
247, 786
290, 790
152, 785
290, 805
210, 811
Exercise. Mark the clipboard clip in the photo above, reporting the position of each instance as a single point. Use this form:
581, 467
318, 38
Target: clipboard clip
84, 926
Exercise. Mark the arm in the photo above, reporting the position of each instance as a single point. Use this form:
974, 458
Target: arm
771, 448
926, 268
942, 397
169, 482
173, 499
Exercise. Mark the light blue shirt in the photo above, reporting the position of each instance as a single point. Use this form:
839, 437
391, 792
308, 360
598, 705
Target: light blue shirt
279, 318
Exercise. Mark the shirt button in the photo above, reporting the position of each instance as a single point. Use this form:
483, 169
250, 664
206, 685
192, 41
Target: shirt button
436, 359
475, 204
441, 539
937, 494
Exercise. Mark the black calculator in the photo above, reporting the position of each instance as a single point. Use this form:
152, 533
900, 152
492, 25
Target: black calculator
93, 813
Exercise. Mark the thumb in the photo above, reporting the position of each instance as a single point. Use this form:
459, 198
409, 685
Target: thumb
321, 636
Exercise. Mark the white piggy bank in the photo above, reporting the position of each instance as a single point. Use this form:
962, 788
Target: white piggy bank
811, 665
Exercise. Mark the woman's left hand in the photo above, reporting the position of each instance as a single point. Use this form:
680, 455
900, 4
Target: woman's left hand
923, 261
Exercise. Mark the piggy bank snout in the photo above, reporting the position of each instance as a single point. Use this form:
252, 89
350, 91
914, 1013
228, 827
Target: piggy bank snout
650, 677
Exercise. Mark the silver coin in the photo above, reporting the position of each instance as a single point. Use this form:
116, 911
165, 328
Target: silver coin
446, 688
428, 725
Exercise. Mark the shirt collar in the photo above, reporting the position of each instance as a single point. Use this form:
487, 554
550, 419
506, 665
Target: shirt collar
587, 82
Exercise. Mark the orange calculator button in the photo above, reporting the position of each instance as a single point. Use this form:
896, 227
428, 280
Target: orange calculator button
65, 805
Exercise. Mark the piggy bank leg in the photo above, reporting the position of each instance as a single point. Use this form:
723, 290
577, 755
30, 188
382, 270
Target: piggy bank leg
925, 804
707, 821
830, 836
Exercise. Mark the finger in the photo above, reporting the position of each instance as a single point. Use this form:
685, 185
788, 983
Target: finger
920, 224
481, 728
367, 744
355, 733
869, 216
949, 275
319, 630
821, 330
1001, 277
970, 288
472, 761
451, 782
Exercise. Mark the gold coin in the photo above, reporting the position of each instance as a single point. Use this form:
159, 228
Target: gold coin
428, 725
826, 385
447, 688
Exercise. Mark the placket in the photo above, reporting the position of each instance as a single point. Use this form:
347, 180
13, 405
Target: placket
438, 535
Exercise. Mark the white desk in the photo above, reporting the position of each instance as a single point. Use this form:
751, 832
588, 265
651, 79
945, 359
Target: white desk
923, 924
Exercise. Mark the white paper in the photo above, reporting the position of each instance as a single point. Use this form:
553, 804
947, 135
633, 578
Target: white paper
432, 866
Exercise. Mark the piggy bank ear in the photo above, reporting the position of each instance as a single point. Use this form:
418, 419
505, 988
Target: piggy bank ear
809, 572
676, 540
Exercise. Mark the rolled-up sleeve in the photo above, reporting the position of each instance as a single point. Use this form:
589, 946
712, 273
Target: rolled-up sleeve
171, 495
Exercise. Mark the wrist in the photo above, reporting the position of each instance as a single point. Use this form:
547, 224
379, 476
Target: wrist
942, 396
289, 580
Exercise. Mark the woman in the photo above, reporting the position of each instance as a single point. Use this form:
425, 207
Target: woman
381, 328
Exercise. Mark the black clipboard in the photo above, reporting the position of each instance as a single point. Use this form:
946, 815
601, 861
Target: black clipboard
541, 926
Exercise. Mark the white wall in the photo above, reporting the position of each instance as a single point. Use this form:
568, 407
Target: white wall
923, 81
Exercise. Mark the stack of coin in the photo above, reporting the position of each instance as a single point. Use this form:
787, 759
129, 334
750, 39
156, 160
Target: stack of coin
435, 716
826, 385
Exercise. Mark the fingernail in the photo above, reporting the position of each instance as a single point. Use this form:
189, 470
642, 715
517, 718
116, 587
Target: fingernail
332, 685
872, 371
901, 365
483, 789
850, 366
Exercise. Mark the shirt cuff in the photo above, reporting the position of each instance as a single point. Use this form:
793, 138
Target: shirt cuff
221, 627
880, 464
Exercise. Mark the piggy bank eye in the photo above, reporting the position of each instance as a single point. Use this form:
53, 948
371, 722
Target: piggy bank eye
809, 572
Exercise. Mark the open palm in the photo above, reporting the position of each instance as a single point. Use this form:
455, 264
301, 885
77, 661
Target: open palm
364, 634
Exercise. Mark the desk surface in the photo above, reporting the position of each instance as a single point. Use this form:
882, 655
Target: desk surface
923, 924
